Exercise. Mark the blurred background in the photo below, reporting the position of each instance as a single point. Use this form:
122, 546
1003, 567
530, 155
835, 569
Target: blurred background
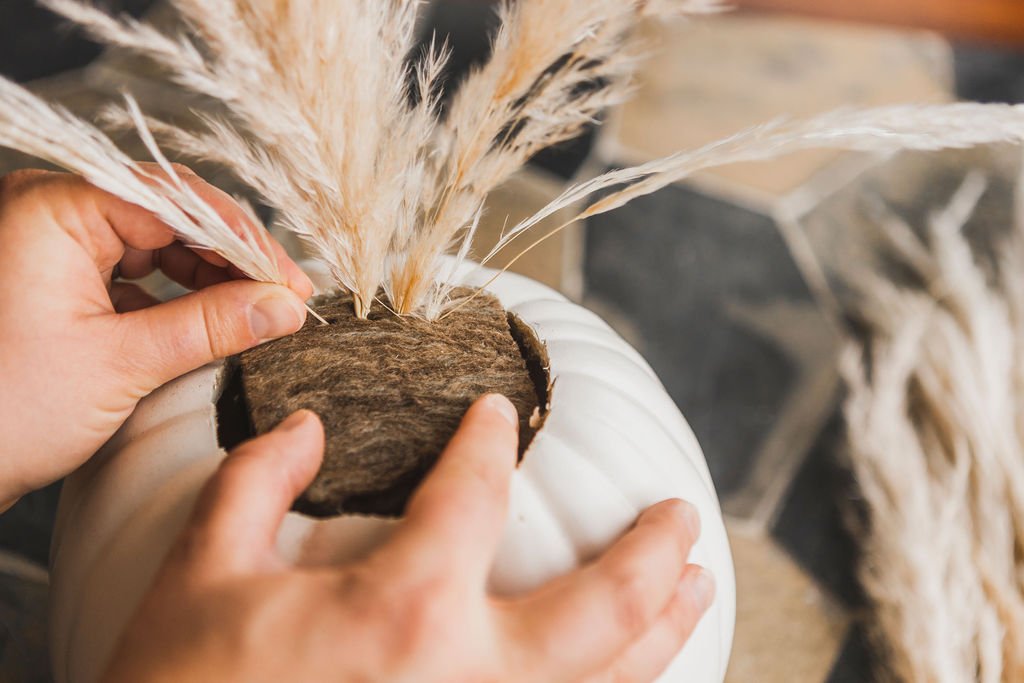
724, 282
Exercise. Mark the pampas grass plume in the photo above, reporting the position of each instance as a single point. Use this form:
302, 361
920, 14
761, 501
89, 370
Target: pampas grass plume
934, 414
338, 129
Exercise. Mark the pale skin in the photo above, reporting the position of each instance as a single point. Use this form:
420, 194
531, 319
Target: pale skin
78, 351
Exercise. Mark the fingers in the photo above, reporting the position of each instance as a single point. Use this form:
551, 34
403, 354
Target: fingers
240, 510
592, 615
177, 262
105, 225
127, 297
169, 340
456, 517
648, 658
238, 220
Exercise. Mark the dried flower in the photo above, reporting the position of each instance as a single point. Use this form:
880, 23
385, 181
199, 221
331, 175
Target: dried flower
334, 123
935, 413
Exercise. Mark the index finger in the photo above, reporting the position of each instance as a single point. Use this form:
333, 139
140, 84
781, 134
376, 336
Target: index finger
240, 509
454, 520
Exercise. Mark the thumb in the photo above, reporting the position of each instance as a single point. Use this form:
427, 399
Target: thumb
168, 340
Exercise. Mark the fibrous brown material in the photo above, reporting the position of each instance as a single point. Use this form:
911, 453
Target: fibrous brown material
391, 392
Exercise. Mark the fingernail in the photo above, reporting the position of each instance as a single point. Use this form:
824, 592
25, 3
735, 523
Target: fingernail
691, 516
276, 316
699, 587
295, 421
504, 407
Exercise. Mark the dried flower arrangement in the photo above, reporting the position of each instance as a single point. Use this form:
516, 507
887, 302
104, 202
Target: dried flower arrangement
338, 129
934, 417
341, 132
326, 127
333, 124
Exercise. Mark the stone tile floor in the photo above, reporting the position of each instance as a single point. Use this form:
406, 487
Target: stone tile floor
702, 279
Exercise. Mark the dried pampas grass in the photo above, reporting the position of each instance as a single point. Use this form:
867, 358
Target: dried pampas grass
327, 128
886, 129
55, 135
935, 418
337, 125
322, 122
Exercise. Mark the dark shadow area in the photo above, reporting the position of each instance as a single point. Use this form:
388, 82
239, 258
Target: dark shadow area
35, 43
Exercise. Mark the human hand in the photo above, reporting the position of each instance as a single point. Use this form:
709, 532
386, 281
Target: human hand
78, 351
225, 606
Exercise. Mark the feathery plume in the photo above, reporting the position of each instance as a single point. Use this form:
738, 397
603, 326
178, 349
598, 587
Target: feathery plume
324, 127
934, 414
53, 134
322, 123
881, 130
336, 124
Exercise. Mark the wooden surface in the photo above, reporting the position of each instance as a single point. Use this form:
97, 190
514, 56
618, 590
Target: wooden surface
988, 20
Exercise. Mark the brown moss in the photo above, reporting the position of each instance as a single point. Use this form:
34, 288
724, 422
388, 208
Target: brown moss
390, 390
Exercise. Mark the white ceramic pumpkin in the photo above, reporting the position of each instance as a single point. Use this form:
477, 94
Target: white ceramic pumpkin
613, 444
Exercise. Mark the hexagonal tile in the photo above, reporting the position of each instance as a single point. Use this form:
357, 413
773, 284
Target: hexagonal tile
713, 298
787, 629
711, 78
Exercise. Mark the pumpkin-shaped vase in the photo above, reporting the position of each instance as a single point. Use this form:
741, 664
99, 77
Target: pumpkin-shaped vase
613, 443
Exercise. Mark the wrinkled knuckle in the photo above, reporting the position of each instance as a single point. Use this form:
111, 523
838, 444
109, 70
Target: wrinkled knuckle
218, 332
173, 343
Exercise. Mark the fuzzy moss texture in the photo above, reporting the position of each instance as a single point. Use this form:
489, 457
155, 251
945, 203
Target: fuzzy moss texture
391, 392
